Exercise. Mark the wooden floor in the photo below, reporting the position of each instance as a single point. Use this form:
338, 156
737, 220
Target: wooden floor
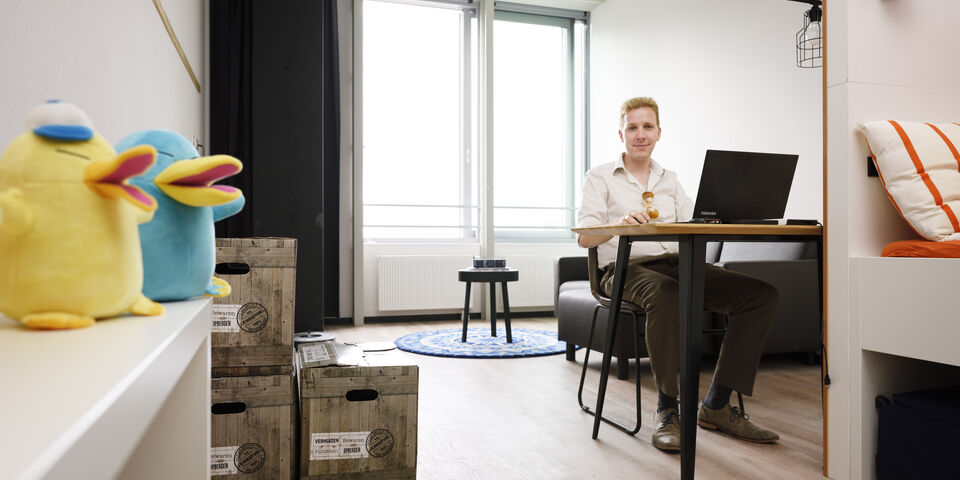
490, 419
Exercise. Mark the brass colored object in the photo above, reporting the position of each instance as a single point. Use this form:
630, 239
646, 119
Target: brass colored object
652, 211
176, 44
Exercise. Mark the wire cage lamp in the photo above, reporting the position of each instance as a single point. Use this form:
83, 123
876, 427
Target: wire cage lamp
810, 37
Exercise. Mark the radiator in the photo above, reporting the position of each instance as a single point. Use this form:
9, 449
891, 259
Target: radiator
535, 287
420, 282
429, 282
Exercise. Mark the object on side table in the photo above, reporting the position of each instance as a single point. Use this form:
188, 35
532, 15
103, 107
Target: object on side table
489, 263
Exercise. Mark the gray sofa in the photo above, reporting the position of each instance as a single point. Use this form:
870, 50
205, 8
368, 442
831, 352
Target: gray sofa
790, 267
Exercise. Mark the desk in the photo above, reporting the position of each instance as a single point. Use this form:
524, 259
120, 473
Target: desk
692, 239
491, 275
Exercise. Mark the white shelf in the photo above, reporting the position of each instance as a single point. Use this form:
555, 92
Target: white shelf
93, 402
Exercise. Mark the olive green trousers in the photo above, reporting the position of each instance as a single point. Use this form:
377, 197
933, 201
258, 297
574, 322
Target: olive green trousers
749, 303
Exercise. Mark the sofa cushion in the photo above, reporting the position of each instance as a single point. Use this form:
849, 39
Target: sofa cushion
766, 251
576, 285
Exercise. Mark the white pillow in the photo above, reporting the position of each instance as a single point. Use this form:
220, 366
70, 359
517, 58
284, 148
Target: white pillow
919, 165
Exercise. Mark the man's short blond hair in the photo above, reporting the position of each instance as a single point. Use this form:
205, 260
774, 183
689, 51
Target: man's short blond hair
639, 102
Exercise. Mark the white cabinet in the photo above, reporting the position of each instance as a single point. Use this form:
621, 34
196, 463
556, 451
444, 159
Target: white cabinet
904, 329
126, 398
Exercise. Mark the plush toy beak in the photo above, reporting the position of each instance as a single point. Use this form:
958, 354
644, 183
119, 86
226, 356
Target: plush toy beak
190, 182
109, 177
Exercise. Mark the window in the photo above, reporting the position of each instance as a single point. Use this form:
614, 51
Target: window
537, 155
419, 156
420, 128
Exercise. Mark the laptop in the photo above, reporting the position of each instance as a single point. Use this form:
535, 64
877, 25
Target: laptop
744, 187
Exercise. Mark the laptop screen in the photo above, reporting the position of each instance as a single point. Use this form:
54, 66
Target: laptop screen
739, 186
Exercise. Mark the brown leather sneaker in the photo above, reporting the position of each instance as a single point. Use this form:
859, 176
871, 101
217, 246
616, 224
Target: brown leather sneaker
734, 422
666, 435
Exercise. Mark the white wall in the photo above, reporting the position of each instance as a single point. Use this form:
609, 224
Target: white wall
111, 58
725, 77
887, 59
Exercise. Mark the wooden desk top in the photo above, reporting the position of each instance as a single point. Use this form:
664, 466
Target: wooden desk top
699, 229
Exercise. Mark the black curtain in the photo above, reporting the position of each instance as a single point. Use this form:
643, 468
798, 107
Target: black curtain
275, 105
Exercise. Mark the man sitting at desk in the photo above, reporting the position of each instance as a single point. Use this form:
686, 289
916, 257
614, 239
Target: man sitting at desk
636, 189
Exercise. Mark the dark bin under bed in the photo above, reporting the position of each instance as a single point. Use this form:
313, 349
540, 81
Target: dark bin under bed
918, 435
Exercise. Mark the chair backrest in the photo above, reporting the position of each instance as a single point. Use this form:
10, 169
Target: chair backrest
595, 274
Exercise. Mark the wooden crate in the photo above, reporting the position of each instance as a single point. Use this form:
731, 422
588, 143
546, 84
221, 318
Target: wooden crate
252, 332
348, 435
253, 428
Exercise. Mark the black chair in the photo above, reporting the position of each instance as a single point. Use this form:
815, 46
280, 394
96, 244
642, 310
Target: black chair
639, 318
603, 303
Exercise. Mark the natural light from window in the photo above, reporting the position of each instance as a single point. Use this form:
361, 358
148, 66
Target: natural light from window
421, 90
532, 135
413, 183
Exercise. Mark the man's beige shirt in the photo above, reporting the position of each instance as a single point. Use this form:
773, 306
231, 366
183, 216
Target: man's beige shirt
610, 191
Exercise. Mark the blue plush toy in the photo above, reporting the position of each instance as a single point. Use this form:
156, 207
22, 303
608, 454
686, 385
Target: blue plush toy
178, 245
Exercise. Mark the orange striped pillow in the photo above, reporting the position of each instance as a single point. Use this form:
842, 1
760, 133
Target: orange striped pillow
919, 166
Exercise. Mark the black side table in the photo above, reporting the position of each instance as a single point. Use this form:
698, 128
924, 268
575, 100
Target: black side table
491, 276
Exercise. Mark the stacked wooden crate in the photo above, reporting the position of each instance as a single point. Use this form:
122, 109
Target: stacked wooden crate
254, 416
358, 422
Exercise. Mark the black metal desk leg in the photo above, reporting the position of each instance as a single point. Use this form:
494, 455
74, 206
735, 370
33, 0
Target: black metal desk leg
493, 309
506, 312
820, 283
692, 260
824, 364
466, 313
619, 279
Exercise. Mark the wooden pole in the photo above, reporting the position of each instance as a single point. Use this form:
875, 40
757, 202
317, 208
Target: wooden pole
176, 44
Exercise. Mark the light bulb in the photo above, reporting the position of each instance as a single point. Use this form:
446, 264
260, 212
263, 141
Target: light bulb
811, 36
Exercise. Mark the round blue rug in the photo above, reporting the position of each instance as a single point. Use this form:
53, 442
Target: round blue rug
479, 344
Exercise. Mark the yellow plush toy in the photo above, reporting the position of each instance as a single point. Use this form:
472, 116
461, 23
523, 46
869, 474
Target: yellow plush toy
69, 248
